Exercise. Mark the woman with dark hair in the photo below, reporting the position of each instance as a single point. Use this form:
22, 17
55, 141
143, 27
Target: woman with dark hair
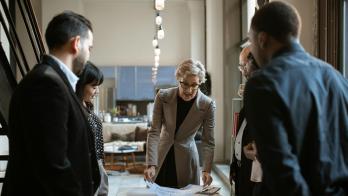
87, 88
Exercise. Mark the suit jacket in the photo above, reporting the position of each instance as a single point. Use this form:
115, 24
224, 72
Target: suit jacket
162, 135
298, 107
241, 173
51, 146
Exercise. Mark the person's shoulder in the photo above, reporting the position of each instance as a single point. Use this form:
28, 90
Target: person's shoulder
206, 101
41, 76
204, 97
167, 92
43, 72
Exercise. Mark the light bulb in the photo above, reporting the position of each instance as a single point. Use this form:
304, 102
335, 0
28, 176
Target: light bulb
154, 81
159, 4
158, 19
160, 33
154, 42
157, 58
156, 64
157, 51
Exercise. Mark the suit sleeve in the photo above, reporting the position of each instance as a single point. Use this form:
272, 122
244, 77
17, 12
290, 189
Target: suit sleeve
267, 116
153, 135
46, 113
208, 141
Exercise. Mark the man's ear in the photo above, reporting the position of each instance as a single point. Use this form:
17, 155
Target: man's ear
75, 43
263, 39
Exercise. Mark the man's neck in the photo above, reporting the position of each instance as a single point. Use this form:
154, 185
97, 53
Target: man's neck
66, 59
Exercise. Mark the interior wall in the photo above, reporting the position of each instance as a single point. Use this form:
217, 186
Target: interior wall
197, 24
232, 75
309, 33
215, 65
123, 30
50, 8
126, 40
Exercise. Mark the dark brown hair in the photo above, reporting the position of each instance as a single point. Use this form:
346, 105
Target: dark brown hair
278, 19
91, 74
64, 26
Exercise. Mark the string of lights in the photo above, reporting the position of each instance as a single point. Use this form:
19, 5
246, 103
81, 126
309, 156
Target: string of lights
159, 35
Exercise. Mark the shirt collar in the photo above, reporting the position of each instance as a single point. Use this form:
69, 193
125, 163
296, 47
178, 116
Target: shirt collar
294, 45
72, 78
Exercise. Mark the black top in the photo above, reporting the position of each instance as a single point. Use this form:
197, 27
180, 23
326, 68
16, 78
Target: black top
167, 174
182, 109
97, 128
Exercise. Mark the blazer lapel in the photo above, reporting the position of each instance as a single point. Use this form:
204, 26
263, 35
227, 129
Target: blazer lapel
170, 106
47, 60
51, 62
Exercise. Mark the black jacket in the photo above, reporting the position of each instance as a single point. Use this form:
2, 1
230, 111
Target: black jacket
241, 172
51, 146
298, 107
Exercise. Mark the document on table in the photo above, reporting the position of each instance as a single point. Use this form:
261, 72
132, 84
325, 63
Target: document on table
166, 191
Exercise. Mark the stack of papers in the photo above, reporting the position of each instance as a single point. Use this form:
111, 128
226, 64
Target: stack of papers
188, 190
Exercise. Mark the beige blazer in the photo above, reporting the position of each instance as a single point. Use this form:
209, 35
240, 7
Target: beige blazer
161, 136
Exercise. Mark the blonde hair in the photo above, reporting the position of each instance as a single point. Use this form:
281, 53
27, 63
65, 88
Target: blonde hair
190, 67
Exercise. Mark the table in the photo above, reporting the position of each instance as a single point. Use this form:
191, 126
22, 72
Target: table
117, 149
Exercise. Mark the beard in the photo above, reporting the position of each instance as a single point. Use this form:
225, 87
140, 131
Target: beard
79, 63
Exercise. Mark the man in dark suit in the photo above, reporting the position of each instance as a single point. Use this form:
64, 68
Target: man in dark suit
51, 147
296, 106
241, 166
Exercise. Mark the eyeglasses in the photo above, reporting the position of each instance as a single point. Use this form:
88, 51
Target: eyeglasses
186, 86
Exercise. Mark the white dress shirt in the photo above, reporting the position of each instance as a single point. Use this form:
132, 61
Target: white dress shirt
238, 144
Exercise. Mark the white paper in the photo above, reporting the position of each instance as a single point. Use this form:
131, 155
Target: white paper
165, 191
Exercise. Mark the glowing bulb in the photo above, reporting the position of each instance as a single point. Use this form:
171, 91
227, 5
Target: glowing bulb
156, 64
154, 42
158, 19
157, 51
160, 33
159, 4
157, 58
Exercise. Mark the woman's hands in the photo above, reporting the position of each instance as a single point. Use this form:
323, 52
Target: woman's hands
206, 178
149, 173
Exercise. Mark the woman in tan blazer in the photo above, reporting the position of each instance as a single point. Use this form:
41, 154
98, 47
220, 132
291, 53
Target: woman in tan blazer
172, 157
